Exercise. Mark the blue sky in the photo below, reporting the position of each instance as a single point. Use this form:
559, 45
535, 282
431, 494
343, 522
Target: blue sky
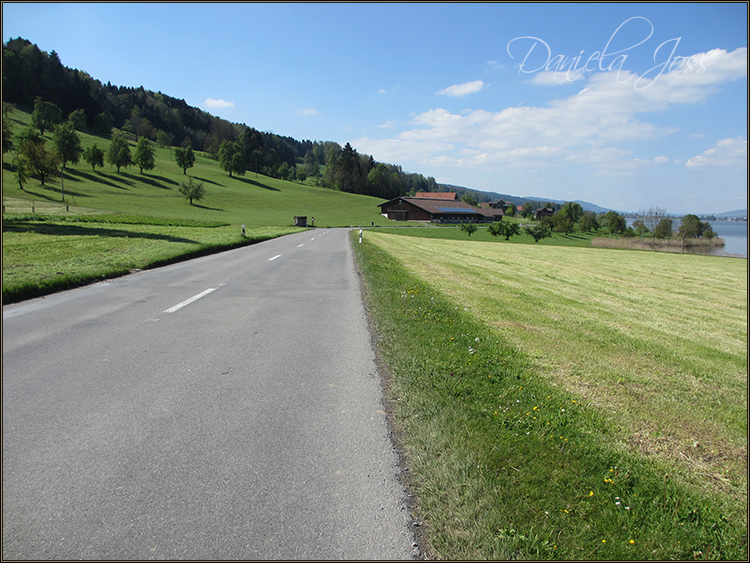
626, 106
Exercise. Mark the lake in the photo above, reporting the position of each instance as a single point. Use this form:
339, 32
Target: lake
734, 234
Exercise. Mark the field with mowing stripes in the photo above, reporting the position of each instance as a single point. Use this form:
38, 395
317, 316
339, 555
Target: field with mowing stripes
563, 402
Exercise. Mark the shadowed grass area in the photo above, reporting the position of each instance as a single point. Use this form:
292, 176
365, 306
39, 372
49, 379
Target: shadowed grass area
42, 255
566, 403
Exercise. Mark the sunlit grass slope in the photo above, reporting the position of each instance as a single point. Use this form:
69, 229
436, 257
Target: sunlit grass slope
95, 224
563, 402
249, 199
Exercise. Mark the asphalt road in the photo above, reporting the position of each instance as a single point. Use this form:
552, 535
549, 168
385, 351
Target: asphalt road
223, 408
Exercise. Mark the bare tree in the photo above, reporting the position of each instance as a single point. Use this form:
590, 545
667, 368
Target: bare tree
651, 218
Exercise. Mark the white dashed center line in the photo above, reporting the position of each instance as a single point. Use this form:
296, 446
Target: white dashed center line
274, 258
189, 301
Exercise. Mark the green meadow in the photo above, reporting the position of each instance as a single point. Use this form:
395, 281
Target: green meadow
111, 223
249, 199
559, 402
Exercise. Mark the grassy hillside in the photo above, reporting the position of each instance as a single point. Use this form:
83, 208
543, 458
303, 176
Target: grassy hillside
112, 223
252, 200
564, 402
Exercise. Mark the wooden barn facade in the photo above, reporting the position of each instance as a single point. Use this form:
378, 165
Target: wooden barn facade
437, 210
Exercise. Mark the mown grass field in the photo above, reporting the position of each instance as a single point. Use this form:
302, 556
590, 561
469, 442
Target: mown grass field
564, 402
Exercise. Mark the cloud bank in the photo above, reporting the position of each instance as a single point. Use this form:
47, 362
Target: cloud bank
218, 103
598, 125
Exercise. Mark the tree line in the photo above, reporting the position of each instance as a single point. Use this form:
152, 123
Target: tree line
570, 217
31, 75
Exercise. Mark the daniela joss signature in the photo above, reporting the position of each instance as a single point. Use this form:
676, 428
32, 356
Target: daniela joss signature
573, 68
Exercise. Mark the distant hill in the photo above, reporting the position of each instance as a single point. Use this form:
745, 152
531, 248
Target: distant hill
518, 201
736, 213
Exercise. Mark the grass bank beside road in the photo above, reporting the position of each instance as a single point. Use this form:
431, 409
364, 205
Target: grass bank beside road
43, 254
563, 402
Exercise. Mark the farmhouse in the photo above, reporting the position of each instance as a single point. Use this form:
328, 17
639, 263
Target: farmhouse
502, 204
543, 212
437, 210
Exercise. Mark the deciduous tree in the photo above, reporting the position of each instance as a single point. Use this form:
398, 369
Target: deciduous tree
102, 124
145, 155
118, 153
45, 115
7, 128
538, 232
639, 226
505, 229
588, 221
37, 159
78, 119
231, 158
652, 217
68, 143
184, 157
690, 227
469, 228
192, 191
614, 222
663, 228
94, 156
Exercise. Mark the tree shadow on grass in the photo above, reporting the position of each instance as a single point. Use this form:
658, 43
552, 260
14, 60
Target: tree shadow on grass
208, 208
207, 181
98, 177
115, 177
256, 183
51, 193
76, 230
151, 180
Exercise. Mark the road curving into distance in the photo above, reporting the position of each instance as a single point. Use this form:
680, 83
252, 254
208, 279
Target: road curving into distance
228, 407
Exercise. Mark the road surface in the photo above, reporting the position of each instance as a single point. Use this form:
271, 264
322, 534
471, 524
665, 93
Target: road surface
228, 407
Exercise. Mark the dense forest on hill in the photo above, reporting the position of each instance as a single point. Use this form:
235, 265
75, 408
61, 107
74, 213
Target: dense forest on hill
31, 75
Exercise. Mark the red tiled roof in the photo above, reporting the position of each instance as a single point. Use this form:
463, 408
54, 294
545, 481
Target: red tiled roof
437, 195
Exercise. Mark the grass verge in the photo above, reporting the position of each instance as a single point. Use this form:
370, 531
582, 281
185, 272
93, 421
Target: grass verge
517, 453
45, 254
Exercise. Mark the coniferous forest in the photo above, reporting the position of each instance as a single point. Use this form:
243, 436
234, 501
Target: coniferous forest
33, 79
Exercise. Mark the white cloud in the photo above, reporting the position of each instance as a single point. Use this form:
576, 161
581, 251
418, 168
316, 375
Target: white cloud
218, 103
388, 125
462, 89
551, 78
728, 153
308, 111
583, 128
399, 150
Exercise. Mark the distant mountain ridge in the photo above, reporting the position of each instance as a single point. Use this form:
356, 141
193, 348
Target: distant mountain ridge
480, 197
736, 213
